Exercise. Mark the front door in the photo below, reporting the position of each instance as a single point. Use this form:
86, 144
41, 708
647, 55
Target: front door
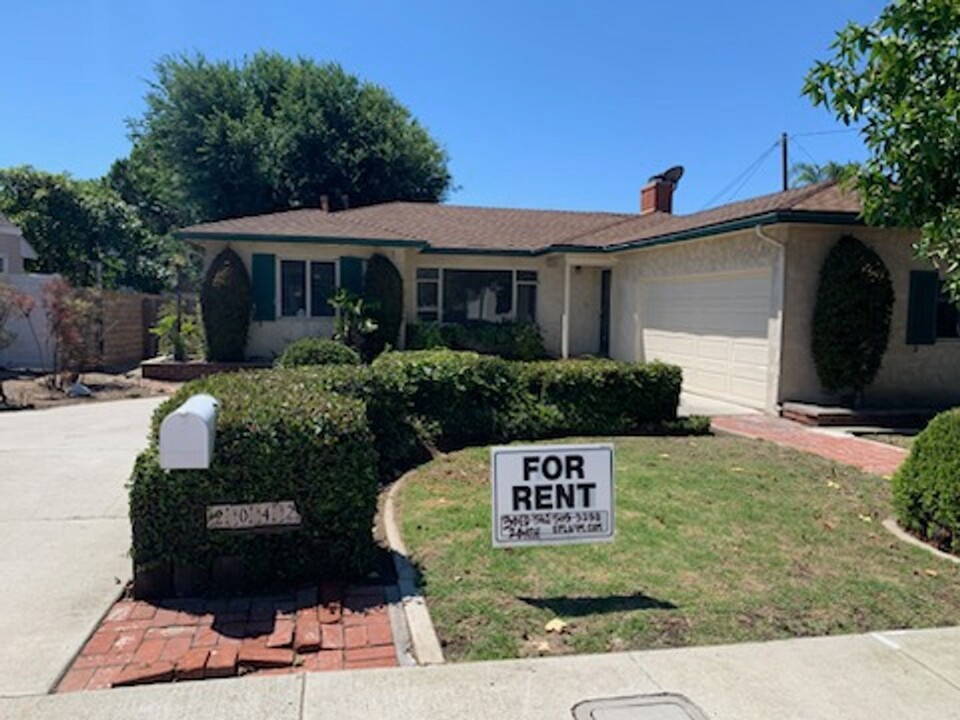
605, 313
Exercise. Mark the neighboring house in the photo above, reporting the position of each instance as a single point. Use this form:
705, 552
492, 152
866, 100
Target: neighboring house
13, 249
727, 294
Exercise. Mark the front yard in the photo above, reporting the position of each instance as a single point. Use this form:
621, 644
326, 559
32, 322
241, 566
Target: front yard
719, 539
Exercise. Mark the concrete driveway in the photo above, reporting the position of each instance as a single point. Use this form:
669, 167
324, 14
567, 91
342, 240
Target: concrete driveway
692, 404
64, 532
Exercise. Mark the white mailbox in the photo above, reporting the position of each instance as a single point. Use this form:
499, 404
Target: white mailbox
187, 434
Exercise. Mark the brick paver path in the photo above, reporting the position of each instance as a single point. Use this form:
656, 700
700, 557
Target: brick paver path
330, 627
869, 456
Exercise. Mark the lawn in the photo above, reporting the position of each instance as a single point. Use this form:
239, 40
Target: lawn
719, 539
902, 440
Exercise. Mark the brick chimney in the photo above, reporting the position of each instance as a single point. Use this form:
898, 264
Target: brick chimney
657, 194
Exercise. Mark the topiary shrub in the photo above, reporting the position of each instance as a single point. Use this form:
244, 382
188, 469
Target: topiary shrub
383, 294
851, 320
317, 351
511, 339
926, 488
281, 435
602, 397
226, 302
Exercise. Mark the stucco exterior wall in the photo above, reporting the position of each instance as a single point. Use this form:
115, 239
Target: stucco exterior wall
923, 375
267, 339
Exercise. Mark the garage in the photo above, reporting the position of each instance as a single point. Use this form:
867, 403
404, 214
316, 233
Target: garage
715, 327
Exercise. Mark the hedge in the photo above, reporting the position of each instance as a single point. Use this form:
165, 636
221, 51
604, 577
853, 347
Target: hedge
226, 302
601, 397
280, 436
317, 351
926, 488
511, 339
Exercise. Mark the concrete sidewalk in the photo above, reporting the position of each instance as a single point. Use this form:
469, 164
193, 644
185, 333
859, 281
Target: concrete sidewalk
64, 533
879, 676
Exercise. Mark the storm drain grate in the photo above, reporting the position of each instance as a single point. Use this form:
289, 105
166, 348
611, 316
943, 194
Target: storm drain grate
662, 706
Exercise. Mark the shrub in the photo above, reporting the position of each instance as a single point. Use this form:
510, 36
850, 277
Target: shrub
851, 319
317, 351
383, 293
511, 340
181, 339
926, 488
602, 397
281, 435
226, 302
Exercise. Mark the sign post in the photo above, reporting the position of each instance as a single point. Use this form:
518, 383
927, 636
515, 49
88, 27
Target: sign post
552, 494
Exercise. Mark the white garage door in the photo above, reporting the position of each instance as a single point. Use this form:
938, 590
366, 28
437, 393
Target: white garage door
715, 328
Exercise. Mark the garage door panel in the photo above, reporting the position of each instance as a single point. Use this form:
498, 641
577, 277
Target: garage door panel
715, 329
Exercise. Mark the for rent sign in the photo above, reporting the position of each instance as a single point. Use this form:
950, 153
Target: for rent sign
552, 494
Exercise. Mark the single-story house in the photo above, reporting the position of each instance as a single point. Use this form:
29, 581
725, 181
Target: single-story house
727, 294
13, 249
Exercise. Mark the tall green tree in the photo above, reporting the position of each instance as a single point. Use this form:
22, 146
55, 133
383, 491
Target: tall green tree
82, 228
898, 80
222, 139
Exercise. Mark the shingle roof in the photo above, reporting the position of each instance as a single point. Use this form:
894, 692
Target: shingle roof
464, 229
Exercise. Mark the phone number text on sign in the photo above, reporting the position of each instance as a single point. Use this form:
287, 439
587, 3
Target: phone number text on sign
253, 516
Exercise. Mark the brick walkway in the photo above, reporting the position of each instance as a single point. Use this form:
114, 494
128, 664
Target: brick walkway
869, 456
327, 628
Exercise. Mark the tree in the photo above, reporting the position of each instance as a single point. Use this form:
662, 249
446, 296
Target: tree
226, 305
898, 80
810, 173
77, 225
220, 139
383, 294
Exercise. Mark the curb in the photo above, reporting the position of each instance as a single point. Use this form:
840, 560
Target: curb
423, 637
898, 532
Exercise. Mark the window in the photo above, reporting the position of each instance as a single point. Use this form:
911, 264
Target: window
428, 294
298, 291
948, 316
293, 288
323, 286
3, 264
527, 295
461, 296
477, 295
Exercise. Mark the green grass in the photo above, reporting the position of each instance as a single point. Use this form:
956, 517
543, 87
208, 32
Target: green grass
719, 539
901, 440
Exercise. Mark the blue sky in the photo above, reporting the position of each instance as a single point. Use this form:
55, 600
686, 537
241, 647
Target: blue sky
564, 105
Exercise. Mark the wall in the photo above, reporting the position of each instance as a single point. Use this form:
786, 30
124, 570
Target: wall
924, 375
10, 249
31, 346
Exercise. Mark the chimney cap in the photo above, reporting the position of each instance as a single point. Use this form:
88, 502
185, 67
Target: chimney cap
671, 176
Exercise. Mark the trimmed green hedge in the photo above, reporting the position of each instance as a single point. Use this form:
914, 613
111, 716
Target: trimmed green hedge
281, 435
602, 397
926, 488
511, 339
317, 351
227, 302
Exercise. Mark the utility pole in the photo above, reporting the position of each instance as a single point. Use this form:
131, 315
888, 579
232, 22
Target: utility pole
783, 161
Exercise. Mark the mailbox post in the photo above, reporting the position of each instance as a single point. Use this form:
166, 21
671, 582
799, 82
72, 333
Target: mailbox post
187, 434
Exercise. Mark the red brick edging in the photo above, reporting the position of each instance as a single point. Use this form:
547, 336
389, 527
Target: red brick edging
330, 627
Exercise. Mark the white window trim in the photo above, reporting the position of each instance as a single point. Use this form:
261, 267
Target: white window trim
308, 291
441, 282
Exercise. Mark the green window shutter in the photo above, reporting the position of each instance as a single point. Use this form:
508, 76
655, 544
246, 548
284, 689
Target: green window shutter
922, 308
264, 286
351, 274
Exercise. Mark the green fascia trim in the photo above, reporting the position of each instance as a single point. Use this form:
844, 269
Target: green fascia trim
772, 218
306, 239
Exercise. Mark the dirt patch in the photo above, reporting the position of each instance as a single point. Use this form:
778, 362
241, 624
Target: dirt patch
27, 391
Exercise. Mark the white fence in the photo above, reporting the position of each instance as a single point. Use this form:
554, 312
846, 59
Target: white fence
31, 346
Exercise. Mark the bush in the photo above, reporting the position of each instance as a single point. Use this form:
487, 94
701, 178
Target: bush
851, 319
455, 398
226, 302
383, 293
281, 435
602, 397
511, 340
317, 351
926, 488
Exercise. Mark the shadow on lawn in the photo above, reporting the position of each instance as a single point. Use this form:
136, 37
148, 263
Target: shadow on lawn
580, 606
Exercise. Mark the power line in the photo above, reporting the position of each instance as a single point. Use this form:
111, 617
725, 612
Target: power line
743, 177
825, 132
804, 150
